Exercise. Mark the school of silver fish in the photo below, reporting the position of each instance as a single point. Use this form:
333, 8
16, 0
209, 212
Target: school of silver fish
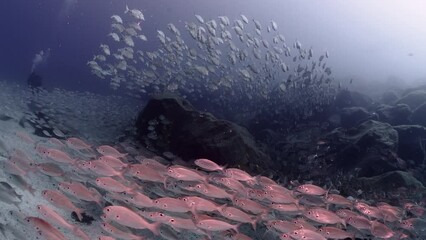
219, 61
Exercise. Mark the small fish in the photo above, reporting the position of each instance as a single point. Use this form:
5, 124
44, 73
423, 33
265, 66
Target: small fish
171, 204
113, 185
45, 229
335, 233
306, 234
110, 151
119, 233
200, 19
129, 218
237, 215
80, 191
56, 155
216, 225
61, 201
185, 174
117, 19
135, 13
311, 189
322, 215
380, 230
77, 144
208, 165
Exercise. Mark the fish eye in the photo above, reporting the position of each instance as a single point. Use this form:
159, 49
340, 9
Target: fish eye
108, 209
172, 220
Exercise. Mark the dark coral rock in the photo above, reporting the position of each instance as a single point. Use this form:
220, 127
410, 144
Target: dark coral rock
191, 134
367, 148
394, 115
413, 99
419, 115
392, 180
411, 142
352, 116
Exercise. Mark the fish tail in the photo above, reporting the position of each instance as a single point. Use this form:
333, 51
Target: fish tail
79, 212
253, 223
155, 228
127, 9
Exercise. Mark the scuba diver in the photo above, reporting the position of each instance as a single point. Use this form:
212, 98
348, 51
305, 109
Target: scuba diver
35, 82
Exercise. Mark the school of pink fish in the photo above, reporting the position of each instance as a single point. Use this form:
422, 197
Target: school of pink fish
136, 197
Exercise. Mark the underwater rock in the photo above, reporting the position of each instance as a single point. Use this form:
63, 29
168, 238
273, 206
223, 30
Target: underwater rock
352, 116
389, 97
191, 134
346, 98
392, 180
394, 115
413, 99
419, 115
367, 147
410, 142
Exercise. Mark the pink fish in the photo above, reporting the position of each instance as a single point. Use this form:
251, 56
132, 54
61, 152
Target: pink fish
80, 191
380, 230
113, 185
311, 189
335, 233
25, 137
200, 204
77, 144
212, 191
56, 142
359, 222
369, 211
185, 174
338, 200
281, 225
61, 201
291, 209
322, 215
56, 155
216, 225
208, 165
109, 228
145, 173
103, 169
237, 215
110, 151
239, 175
249, 205
171, 204
306, 234
50, 169
138, 199
45, 229
129, 218
113, 162
53, 216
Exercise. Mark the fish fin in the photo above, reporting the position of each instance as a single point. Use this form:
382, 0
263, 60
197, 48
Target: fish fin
155, 228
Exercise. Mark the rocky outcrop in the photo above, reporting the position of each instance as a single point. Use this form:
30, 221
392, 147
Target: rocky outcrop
346, 98
419, 115
368, 147
172, 124
352, 116
413, 99
411, 143
394, 115
391, 181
